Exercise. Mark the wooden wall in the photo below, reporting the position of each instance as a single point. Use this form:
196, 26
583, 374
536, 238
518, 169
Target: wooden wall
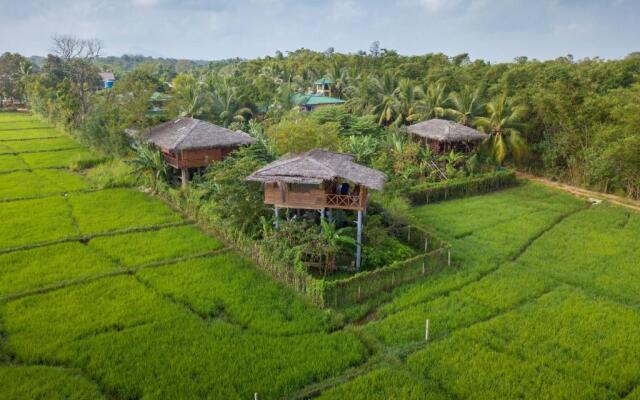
313, 199
196, 158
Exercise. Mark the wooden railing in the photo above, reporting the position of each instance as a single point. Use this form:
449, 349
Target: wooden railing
347, 201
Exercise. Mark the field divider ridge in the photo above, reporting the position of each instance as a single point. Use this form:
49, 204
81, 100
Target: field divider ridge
122, 270
87, 238
17, 153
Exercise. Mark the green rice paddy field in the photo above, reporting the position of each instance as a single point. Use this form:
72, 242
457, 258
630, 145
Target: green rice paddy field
113, 294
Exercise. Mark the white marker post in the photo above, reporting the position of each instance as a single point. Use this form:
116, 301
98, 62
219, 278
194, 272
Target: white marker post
426, 331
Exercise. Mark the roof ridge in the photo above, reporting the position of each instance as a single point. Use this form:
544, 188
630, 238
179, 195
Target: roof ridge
275, 164
327, 168
194, 123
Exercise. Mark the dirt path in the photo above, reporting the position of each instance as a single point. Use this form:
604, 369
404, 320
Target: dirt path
580, 192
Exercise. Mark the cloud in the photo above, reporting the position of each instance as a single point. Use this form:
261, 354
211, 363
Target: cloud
345, 10
435, 6
145, 3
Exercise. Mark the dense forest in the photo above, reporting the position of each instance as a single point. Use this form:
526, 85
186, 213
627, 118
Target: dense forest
577, 121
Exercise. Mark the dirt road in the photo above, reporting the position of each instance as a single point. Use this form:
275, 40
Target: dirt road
580, 192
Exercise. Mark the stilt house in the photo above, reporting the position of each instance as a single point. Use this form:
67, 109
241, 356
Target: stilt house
319, 180
189, 143
442, 136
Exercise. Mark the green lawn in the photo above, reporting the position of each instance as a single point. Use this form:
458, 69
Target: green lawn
541, 302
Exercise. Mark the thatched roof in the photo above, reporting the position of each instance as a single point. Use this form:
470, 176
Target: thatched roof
107, 76
316, 166
191, 133
446, 131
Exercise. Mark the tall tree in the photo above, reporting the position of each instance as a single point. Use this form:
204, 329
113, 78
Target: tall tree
466, 106
504, 125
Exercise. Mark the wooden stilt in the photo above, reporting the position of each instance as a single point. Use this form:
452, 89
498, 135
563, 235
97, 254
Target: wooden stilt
185, 177
359, 242
277, 215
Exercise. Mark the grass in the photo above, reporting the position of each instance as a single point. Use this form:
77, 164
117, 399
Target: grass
113, 327
40, 382
565, 345
19, 146
162, 244
28, 222
50, 265
22, 184
10, 162
227, 287
36, 132
119, 209
54, 159
385, 383
112, 174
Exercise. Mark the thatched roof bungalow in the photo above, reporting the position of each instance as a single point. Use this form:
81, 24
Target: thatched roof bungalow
443, 136
191, 143
316, 180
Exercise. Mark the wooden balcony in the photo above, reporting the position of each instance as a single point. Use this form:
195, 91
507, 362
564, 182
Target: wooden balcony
344, 201
314, 199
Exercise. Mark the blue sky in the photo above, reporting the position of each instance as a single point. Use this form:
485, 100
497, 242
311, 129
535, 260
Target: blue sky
495, 30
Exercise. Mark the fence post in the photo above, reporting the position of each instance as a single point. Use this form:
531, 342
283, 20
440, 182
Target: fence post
358, 292
448, 257
423, 267
426, 331
426, 244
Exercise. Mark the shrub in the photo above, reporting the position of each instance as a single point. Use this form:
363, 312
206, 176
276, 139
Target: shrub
300, 133
85, 161
112, 174
443, 190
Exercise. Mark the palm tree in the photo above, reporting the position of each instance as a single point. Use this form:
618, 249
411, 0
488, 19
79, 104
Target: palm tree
436, 101
149, 161
228, 105
340, 78
333, 240
466, 106
384, 91
503, 124
408, 103
188, 96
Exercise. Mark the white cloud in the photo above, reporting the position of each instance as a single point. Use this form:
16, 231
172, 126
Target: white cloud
438, 5
345, 10
144, 3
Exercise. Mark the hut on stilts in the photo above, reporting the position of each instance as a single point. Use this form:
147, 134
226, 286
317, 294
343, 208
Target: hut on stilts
442, 136
320, 180
189, 144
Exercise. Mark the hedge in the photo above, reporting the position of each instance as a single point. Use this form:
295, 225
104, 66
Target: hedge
456, 188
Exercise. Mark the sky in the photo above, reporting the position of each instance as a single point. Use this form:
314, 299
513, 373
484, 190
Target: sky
493, 30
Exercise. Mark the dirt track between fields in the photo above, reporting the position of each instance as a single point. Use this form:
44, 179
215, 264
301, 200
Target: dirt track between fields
581, 192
